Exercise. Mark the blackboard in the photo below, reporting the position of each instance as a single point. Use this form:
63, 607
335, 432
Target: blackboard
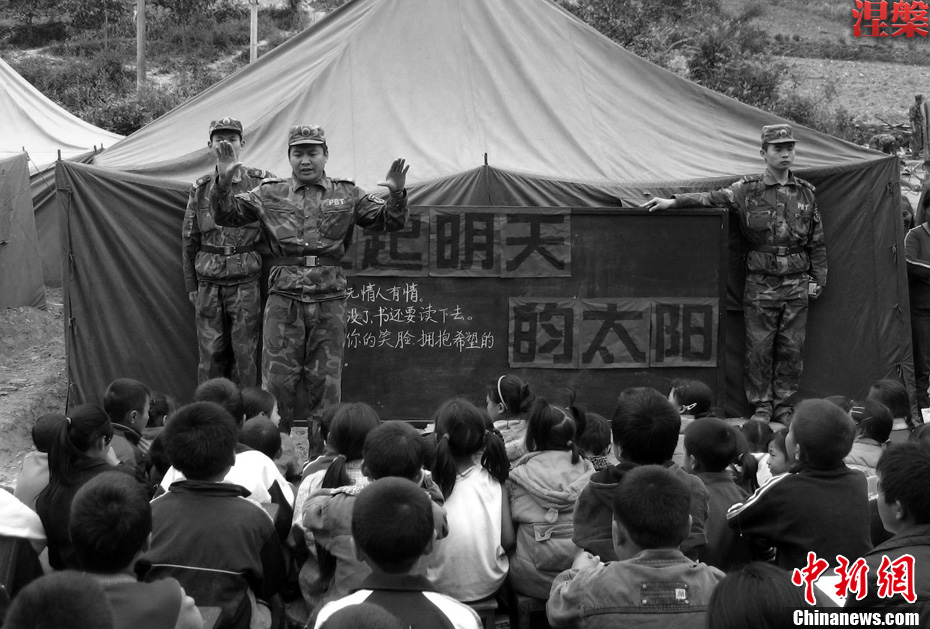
439, 310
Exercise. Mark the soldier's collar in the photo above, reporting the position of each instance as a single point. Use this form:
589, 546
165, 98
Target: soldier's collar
768, 179
325, 182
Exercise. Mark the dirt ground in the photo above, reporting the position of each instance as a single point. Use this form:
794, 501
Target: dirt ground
32, 377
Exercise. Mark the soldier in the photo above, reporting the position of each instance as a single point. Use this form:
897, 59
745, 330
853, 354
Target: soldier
785, 268
307, 220
222, 267
916, 116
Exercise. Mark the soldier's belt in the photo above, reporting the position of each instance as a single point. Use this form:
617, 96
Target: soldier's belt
779, 251
229, 250
306, 261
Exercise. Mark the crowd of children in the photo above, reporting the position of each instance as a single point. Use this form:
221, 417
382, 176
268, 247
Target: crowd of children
663, 515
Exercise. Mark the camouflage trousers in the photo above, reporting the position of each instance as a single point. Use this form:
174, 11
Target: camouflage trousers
302, 346
228, 319
775, 310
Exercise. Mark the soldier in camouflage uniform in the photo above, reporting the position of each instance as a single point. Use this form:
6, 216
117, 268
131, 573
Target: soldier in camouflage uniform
786, 267
307, 220
916, 116
222, 267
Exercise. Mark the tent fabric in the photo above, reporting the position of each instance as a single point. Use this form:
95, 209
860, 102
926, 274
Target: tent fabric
20, 262
563, 117
35, 124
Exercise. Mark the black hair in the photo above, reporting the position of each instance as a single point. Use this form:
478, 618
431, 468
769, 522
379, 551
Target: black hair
842, 401
824, 433
766, 145
362, 616
111, 519
921, 434
224, 392
200, 440
61, 600
45, 430
688, 392
260, 433
778, 442
873, 418
161, 407
892, 394
645, 426
392, 523
76, 436
758, 434
550, 427
257, 401
757, 595
746, 472
394, 448
462, 430
123, 396
326, 421
517, 397
716, 445
652, 504
902, 471
351, 424
596, 435
158, 455
215, 131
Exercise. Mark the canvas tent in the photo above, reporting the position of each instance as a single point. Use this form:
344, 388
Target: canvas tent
20, 264
45, 131
515, 104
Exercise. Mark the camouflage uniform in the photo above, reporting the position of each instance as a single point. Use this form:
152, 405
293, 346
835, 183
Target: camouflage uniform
782, 226
916, 116
307, 227
223, 265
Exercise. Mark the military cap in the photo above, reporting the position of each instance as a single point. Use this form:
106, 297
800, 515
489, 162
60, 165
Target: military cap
226, 124
305, 134
777, 134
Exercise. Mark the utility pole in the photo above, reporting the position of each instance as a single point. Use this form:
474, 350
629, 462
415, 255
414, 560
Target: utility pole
140, 45
253, 35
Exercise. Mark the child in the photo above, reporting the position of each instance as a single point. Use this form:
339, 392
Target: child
393, 528
893, 394
160, 408
758, 435
362, 616
260, 434
645, 430
544, 487
509, 399
259, 402
222, 549
874, 422
34, 476
757, 595
126, 402
651, 583
779, 461
22, 539
594, 442
823, 507
710, 448
470, 468
693, 399
111, 520
392, 449
904, 507
60, 600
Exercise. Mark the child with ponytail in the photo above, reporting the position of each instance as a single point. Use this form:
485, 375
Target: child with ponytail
544, 487
471, 468
509, 399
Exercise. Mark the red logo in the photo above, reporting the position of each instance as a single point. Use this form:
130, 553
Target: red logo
873, 19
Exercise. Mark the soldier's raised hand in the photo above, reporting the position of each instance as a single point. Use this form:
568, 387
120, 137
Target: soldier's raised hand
396, 178
226, 164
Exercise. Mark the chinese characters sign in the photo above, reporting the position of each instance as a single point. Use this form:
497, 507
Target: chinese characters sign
884, 19
893, 577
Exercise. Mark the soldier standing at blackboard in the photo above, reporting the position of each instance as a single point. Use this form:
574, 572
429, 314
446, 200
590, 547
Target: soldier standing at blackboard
786, 267
307, 220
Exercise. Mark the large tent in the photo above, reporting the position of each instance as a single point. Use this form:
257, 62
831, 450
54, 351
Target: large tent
20, 264
33, 124
493, 104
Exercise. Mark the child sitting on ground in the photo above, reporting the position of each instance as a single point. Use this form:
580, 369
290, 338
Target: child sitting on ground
904, 507
66, 599
758, 435
757, 595
259, 433
544, 487
259, 402
34, 476
392, 449
509, 399
779, 461
651, 583
111, 520
873, 421
645, 430
693, 399
393, 529
710, 448
823, 507
594, 442
470, 468
222, 549
893, 394
126, 403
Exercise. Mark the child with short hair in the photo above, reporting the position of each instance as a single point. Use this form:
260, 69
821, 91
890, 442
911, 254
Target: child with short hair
874, 422
893, 394
222, 549
651, 583
508, 401
33, 478
260, 434
779, 461
471, 467
693, 399
904, 507
66, 599
126, 403
645, 431
710, 448
544, 487
111, 520
259, 402
393, 529
823, 507
757, 595
594, 441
